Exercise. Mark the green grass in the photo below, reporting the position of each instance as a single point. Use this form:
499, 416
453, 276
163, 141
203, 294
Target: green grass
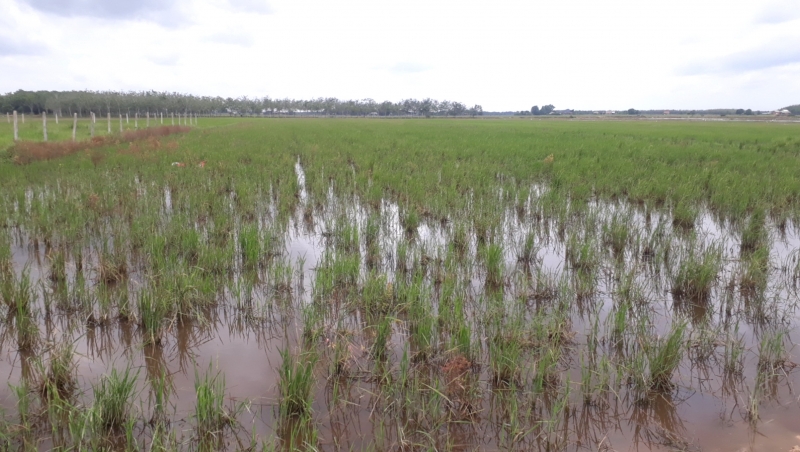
296, 379
113, 399
446, 273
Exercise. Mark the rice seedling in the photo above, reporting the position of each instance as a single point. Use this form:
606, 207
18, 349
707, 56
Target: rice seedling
250, 245
581, 253
528, 249
383, 332
734, 353
771, 352
505, 354
755, 234
57, 378
493, 259
295, 384
684, 215
664, 356
615, 234
58, 267
210, 416
696, 274
113, 398
754, 271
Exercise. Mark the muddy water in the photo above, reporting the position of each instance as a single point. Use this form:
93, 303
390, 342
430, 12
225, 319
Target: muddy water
706, 410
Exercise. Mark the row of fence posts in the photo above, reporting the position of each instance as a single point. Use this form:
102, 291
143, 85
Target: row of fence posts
187, 118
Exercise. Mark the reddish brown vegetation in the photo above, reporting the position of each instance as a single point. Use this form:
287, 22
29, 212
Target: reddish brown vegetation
25, 152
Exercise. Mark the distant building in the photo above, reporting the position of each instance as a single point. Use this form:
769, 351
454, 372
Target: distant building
666, 112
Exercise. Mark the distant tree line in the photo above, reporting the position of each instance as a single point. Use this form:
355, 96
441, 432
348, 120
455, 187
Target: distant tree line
545, 110
118, 102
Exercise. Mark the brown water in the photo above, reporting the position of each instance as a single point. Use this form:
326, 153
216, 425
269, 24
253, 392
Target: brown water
244, 334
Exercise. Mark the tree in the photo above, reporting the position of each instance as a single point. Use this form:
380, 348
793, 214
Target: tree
632, 111
547, 109
535, 110
740, 111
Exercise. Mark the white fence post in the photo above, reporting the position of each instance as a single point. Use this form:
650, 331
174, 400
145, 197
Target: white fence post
74, 125
44, 124
91, 125
108, 116
136, 121
16, 127
120, 123
148, 118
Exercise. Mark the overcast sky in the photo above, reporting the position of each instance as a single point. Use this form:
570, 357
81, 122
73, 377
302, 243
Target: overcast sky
504, 55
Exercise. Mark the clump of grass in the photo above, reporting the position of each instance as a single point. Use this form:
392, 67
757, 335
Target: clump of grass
152, 313
410, 221
58, 267
615, 235
697, 274
377, 294
505, 354
113, 398
734, 353
684, 215
771, 352
210, 414
383, 332
754, 270
664, 356
528, 249
755, 235
295, 382
421, 330
581, 253
493, 260
112, 267
250, 245
58, 378
460, 239
17, 295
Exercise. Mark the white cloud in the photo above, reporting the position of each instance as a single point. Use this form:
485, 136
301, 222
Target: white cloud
251, 6
504, 55
778, 11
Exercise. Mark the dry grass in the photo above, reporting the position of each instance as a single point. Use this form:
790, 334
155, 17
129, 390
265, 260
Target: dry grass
26, 152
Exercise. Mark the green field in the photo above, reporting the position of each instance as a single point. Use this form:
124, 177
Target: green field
368, 284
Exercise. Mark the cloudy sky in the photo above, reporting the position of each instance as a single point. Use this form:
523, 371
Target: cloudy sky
504, 55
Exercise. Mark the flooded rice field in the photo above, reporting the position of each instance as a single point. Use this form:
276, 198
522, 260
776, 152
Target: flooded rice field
323, 322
